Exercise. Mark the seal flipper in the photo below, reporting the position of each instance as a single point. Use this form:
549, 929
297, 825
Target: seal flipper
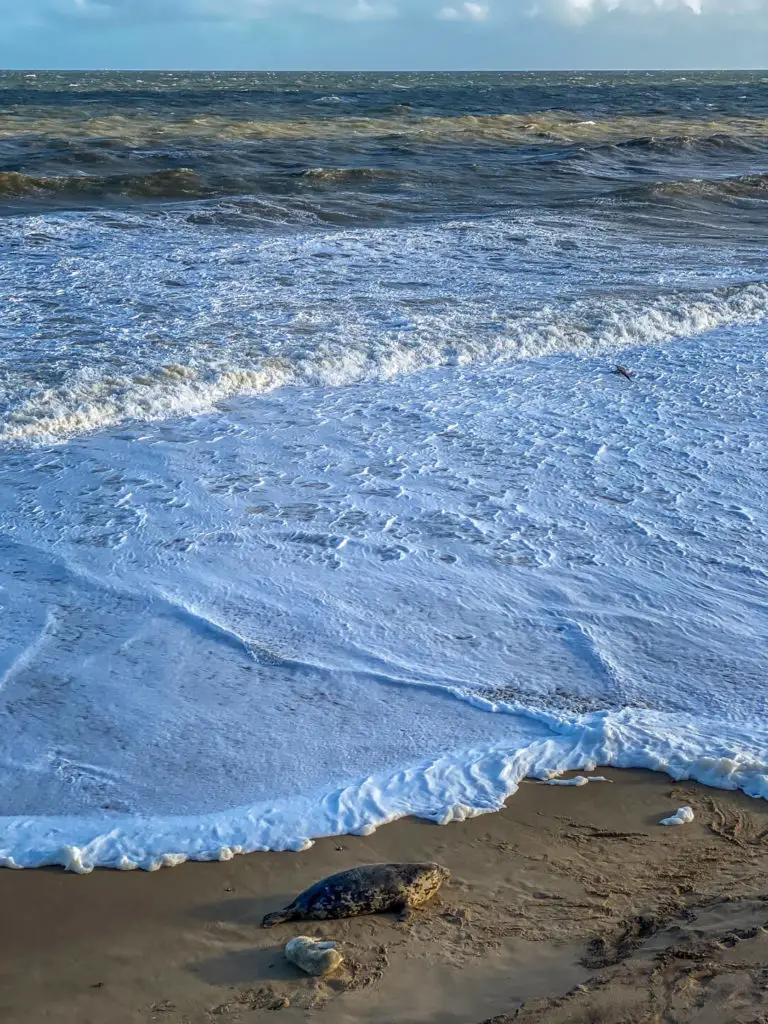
405, 911
279, 917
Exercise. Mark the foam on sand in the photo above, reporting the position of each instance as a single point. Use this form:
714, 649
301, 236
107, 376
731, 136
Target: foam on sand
450, 788
683, 816
577, 780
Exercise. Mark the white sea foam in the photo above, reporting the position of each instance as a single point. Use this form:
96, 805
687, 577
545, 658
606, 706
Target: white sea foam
158, 318
683, 816
512, 561
514, 570
90, 402
453, 788
577, 780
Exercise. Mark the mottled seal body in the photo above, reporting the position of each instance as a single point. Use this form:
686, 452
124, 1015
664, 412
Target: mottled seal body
370, 889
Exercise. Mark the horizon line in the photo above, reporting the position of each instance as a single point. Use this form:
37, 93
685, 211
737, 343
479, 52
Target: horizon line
384, 71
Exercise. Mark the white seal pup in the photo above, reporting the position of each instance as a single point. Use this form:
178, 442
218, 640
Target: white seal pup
313, 956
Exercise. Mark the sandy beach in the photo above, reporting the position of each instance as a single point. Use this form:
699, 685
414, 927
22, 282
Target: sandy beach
573, 904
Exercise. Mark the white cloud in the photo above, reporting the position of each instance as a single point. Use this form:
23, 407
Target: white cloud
82, 8
580, 11
363, 10
466, 12
415, 12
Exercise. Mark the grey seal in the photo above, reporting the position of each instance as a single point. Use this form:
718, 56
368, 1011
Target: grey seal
370, 889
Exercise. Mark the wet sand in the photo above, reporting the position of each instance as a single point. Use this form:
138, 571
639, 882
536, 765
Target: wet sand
572, 904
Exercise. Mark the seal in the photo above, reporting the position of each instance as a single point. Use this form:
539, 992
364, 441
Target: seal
313, 956
370, 889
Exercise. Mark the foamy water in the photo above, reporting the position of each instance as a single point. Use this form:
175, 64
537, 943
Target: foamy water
511, 572
173, 320
277, 467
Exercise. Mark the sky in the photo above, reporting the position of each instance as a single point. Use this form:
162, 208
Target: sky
383, 34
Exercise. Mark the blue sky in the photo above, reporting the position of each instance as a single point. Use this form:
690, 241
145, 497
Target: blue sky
383, 34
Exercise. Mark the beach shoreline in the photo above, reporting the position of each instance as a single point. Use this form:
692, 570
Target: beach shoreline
562, 905
381, 444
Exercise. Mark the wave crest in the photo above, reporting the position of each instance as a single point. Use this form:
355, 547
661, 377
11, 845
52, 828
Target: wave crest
179, 183
334, 175
745, 186
175, 391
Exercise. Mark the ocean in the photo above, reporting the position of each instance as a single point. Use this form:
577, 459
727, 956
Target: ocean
320, 500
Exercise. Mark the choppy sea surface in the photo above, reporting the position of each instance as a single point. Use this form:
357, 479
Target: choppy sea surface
319, 502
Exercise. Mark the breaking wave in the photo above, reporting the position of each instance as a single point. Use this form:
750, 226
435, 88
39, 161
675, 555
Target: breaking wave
172, 184
745, 186
334, 175
88, 403
698, 138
